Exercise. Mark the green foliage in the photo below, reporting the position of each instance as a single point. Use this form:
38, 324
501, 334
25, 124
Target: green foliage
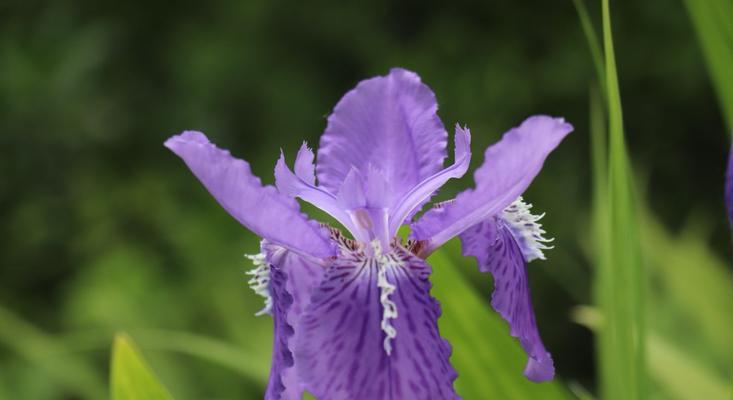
620, 277
488, 360
131, 378
49, 358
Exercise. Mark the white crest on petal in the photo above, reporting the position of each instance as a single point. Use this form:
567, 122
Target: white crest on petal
389, 308
260, 281
526, 229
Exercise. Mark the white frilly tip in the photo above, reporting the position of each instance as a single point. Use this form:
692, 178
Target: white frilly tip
260, 281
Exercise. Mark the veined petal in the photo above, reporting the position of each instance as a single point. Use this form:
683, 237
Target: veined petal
417, 196
499, 252
297, 278
282, 356
305, 168
509, 167
297, 185
389, 122
262, 209
341, 351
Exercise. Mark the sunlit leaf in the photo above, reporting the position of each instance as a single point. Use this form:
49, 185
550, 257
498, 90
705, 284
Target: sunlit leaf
131, 378
620, 278
713, 23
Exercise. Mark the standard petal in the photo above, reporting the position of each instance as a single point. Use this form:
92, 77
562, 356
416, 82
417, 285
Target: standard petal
292, 281
498, 252
262, 209
340, 345
305, 168
413, 200
509, 167
297, 185
282, 356
388, 122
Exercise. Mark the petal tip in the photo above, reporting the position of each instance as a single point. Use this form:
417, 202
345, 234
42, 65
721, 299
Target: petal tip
540, 370
185, 137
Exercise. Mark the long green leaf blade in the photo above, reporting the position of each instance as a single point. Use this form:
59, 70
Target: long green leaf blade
621, 279
713, 23
131, 377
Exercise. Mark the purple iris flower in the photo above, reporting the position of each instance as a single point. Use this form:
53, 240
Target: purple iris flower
353, 317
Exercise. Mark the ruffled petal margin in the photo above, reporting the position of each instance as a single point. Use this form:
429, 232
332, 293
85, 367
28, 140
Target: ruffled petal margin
292, 281
262, 209
340, 343
389, 123
498, 252
509, 167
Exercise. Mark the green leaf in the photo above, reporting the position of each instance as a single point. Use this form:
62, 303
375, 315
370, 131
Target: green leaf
489, 361
713, 23
49, 357
131, 377
620, 276
592, 39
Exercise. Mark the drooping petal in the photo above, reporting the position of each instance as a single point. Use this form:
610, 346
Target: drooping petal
509, 167
389, 122
297, 185
498, 251
282, 356
262, 209
341, 349
298, 278
416, 197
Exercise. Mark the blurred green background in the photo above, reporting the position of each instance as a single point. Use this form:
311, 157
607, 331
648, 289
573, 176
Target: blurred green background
104, 230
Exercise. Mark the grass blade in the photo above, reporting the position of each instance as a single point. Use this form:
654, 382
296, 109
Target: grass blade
620, 277
593, 44
713, 23
131, 378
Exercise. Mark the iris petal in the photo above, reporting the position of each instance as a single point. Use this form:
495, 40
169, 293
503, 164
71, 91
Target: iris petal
340, 350
417, 196
498, 252
509, 167
298, 185
390, 123
293, 278
282, 356
262, 209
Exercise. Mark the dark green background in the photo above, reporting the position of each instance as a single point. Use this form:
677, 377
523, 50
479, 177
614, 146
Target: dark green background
103, 229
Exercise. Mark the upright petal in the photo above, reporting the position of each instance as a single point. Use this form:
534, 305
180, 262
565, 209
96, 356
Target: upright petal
260, 208
413, 200
305, 167
301, 184
509, 167
389, 122
292, 282
499, 252
341, 350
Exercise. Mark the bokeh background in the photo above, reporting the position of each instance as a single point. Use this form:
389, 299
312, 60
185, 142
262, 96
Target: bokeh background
104, 230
